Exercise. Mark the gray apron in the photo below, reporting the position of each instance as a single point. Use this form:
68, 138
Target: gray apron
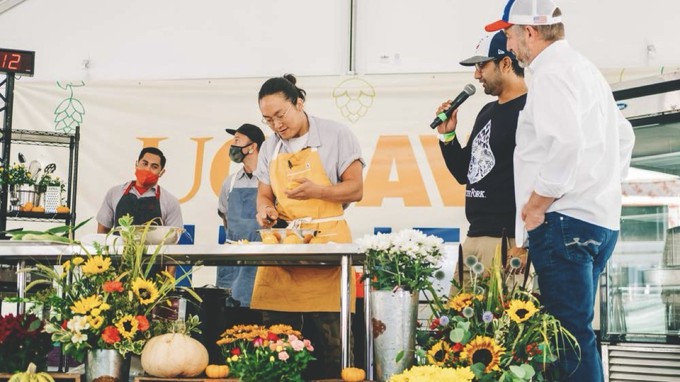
241, 224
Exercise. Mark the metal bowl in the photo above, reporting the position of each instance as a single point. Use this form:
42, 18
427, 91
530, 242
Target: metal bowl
157, 234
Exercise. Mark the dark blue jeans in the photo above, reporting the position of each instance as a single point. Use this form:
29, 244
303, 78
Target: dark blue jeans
568, 255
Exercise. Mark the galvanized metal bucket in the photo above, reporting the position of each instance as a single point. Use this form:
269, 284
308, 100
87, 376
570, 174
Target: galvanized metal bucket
394, 316
106, 365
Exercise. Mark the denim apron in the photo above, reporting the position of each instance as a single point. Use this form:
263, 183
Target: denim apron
241, 224
303, 289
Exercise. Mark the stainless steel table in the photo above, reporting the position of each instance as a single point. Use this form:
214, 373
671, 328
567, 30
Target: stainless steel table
344, 255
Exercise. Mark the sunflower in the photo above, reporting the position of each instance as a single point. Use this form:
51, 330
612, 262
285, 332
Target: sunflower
96, 264
462, 300
145, 291
85, 304
95, 321
127, 326
520, 311
439, 354
484, 350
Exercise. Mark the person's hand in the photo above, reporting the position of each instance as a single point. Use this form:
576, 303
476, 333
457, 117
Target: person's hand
302, 189
267, 216
532, 217
450, 124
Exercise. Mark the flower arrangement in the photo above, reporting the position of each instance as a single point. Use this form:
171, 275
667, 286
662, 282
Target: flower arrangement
17, 173
500, 333
47, 180
22, 341
258, 353
407, 259
434, 373
100, 301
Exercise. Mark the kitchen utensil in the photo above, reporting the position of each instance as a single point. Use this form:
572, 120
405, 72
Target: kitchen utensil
50, 168
34, 168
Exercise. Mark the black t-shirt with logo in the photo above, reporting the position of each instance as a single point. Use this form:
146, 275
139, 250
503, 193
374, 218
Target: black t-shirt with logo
485, 167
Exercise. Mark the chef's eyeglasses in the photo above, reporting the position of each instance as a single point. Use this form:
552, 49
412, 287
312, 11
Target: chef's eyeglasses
277, 118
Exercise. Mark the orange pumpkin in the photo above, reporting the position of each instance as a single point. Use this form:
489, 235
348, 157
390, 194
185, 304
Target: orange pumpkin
353, 374
217, 371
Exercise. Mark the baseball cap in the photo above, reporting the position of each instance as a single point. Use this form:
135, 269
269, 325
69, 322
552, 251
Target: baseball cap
526, 12
490, 47
251, 131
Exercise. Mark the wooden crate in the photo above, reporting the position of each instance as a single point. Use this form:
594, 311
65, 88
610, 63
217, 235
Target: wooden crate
195, 379
58, 377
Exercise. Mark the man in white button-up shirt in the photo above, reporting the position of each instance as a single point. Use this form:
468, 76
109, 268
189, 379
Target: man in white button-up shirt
573, 150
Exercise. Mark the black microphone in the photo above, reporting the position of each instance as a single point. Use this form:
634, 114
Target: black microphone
446, 114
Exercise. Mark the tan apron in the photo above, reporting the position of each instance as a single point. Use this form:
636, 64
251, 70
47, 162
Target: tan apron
303, 289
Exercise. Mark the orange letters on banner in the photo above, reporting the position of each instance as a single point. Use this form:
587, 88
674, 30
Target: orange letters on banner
397, 150
452, 193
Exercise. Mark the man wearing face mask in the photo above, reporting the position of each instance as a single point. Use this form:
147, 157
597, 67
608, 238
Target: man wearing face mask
237, 208
142, 197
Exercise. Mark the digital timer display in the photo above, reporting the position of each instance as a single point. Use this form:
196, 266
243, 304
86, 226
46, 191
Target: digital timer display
17, 61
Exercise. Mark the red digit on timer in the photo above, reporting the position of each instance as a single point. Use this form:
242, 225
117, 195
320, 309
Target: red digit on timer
4, 59
13, 62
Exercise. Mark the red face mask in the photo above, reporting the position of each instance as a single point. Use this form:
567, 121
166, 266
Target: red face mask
146, 178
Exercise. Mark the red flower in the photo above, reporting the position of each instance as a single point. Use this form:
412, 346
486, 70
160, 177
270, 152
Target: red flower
142, 323
434, 324
113, 286
272, 337
63, 324
258, 341
457, 347
110, 335
236, 351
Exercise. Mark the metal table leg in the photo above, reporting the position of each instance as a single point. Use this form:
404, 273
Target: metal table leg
345, 312
369, 329
21, 286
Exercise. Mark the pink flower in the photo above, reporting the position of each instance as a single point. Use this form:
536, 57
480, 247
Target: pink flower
297, 344
308, 345
283, 356
257, 342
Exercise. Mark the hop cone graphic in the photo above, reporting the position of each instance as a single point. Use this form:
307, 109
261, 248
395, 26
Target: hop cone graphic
353, 97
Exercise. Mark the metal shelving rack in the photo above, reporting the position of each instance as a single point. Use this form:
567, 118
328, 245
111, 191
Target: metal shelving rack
40, 138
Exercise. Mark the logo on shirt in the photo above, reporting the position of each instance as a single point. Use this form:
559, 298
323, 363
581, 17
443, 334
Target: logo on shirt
482, 159
472, 193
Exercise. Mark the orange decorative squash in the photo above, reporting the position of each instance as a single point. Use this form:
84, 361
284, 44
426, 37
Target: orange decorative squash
353, 374
217, 371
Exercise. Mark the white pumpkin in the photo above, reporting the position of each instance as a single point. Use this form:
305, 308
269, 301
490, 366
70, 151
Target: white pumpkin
174, 355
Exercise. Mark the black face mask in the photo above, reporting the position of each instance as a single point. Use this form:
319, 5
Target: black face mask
236, 153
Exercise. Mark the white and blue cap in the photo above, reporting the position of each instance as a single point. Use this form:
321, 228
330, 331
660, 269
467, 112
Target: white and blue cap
526, 12
490, 47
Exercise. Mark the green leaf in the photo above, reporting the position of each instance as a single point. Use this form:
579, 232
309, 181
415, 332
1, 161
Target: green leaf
518, 371
400, 355
457, 335
529, 370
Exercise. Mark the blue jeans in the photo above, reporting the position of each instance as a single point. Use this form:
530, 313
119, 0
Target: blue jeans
568, 255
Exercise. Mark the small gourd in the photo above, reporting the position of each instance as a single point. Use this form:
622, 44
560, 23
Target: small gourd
353, 374
217, 371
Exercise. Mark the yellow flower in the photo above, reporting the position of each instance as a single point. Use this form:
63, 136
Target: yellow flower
520, 311
95, 321
434, 373
96, 312
271, 358
96, 264
85, 304
484, 350
66, 265
145, 291
104, 306
463, 300
439, 353
127, 326
77, 260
